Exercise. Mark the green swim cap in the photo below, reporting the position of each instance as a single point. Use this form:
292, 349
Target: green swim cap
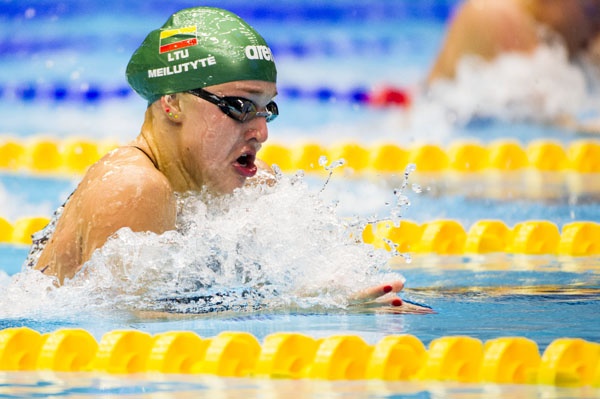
199, 47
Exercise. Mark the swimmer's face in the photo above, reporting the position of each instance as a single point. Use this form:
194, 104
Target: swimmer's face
218, 151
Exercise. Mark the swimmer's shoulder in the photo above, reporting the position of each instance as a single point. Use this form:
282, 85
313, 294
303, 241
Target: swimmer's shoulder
127, 173
125, 184
128, 166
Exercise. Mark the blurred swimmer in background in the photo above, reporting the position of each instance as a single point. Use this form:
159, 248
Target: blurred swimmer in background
521, 59
488, 28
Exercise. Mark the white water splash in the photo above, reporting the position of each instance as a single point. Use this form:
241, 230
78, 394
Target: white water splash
514, 87
262, 247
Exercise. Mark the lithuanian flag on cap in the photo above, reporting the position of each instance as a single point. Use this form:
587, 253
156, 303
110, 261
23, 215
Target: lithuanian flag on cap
176, 39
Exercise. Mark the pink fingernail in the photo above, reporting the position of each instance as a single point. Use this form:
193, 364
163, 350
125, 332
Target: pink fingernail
387, 288
397, 302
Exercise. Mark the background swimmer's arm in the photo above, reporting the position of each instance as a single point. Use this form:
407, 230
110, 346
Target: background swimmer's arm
593, 52
486, 29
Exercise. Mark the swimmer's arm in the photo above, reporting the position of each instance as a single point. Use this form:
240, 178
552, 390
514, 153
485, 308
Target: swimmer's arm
61, 256
97, 210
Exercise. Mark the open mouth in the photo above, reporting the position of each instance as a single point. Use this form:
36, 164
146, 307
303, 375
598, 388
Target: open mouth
245, 165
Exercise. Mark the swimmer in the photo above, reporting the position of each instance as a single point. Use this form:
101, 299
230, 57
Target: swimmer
487, 28
209, 80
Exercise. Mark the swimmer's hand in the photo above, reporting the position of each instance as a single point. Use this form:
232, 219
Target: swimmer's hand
384, 299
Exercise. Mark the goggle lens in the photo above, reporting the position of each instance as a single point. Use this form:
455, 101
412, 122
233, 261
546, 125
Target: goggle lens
242, 109
239, 108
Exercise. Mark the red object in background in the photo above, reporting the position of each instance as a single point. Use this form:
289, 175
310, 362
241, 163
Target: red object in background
390, 96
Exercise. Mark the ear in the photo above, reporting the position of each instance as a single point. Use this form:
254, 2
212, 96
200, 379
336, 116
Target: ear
171, 106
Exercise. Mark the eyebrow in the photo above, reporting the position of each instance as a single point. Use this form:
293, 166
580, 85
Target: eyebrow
253, 90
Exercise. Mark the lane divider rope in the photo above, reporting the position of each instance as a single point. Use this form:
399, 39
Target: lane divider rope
92, 93
449, 237
297, 47
517, 360
338, 12
74, 155
459, 156
441, 237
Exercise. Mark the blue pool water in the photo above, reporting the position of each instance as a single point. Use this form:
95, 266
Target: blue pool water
62, 75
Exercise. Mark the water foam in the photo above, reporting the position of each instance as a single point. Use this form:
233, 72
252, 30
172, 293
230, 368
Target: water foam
265, 246
538, 87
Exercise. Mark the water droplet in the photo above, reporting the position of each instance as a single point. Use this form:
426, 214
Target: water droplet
336, 164
277, 170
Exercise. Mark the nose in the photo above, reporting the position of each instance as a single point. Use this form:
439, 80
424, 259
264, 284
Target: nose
258, 130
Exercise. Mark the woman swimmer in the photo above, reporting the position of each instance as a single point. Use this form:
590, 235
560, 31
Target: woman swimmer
209, 79
487, 28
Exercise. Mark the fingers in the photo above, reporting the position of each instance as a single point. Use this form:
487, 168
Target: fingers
396, 305
409, 307
400, 310
383, 299
379, 291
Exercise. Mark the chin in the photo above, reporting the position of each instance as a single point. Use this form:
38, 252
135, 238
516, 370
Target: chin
224, 188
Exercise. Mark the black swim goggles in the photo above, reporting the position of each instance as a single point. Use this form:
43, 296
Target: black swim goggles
239, 108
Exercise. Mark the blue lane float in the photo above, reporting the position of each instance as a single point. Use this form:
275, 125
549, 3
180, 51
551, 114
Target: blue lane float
369, 10
93, 93
25, 47
58, 92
